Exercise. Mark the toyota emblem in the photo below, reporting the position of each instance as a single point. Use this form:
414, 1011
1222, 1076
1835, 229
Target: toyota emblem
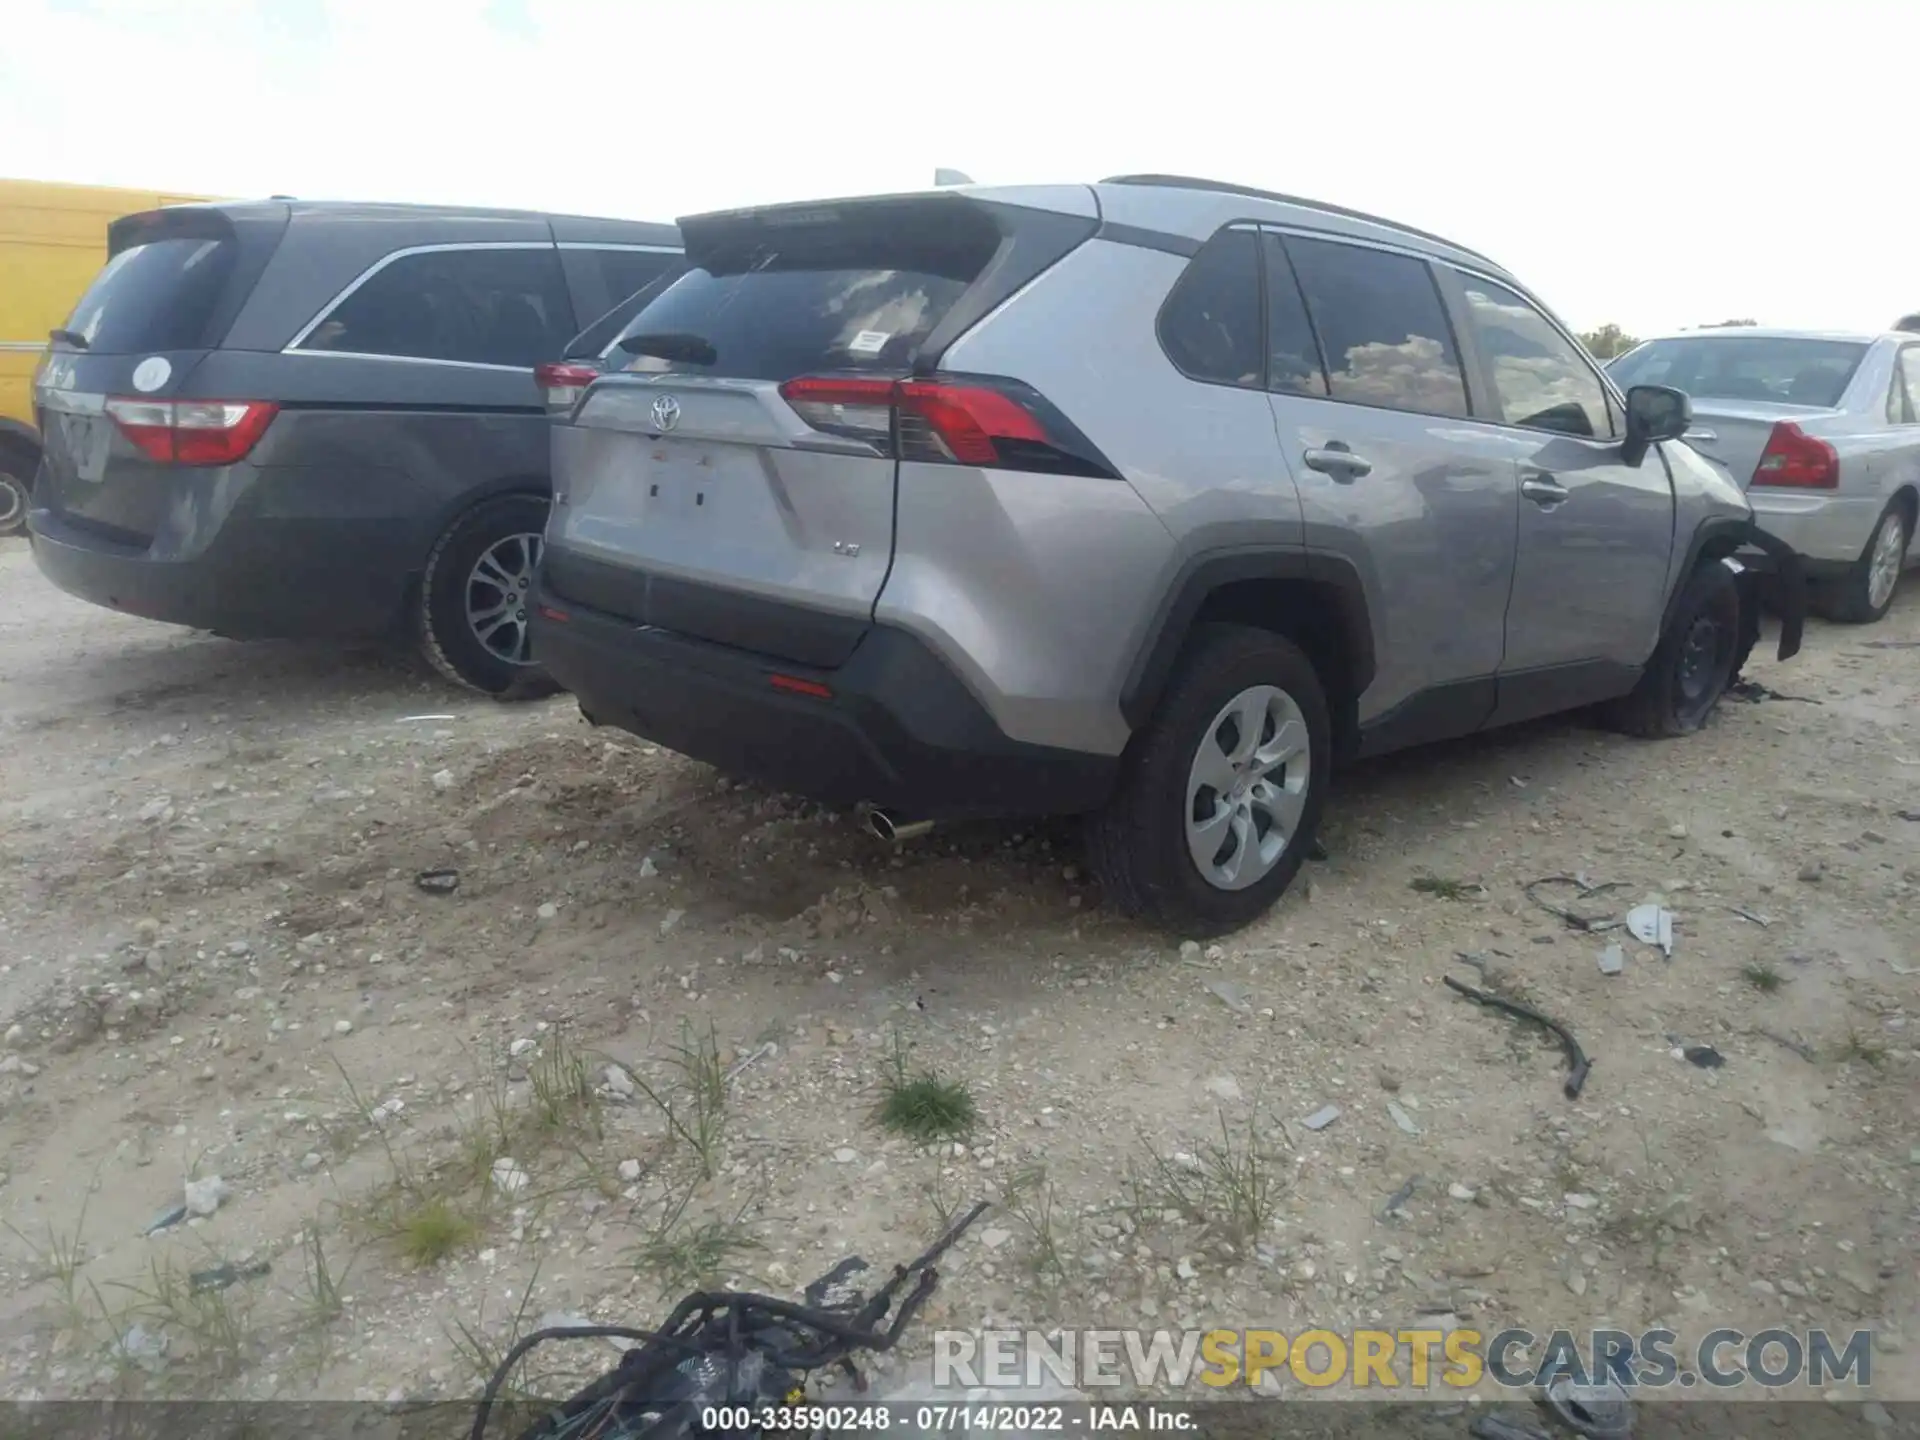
666, 413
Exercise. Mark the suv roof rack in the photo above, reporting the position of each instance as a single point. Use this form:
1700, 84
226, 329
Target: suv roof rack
1189, 182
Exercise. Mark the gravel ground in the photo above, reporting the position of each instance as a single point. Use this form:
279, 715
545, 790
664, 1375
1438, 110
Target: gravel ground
643, 1040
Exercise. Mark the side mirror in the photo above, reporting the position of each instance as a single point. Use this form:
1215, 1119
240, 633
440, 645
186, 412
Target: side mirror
1654, 413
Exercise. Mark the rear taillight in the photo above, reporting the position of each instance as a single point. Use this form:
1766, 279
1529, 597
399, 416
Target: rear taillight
193, 432
563, 384
1797, 460
949, 419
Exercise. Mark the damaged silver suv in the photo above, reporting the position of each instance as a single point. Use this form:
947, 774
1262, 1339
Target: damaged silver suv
1147, 501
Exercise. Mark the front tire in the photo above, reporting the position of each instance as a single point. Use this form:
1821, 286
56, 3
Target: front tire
16, 488
1694, 662
1865, 593
476, 598
1220, 794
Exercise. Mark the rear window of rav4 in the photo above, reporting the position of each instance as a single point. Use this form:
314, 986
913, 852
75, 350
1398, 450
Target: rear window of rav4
854, 292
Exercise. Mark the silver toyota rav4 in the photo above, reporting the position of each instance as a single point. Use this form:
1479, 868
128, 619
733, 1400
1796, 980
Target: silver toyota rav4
1148, 501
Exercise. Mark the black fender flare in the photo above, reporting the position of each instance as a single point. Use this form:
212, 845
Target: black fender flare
1202, 574
1727, 534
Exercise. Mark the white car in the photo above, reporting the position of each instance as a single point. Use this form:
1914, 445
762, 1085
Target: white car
1823, 430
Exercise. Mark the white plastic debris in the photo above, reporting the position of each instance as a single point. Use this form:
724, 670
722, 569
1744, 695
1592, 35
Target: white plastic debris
1322, 1117
204, 1196
1613, 960
1402, 1118
1652, 925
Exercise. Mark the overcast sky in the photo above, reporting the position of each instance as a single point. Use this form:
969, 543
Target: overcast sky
1656, 165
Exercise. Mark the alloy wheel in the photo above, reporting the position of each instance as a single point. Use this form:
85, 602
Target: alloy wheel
499, 592
1247, 787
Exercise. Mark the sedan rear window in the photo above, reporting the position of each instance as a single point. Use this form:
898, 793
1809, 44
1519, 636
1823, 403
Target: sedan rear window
1776, 371
851, 297
156, 296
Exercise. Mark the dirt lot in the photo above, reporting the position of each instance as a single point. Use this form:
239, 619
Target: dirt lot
217, 962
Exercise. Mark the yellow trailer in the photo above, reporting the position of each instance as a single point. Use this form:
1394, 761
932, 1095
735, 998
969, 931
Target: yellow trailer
53, 241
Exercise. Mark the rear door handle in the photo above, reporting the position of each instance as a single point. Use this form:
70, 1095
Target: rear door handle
1336, 460
1544, 492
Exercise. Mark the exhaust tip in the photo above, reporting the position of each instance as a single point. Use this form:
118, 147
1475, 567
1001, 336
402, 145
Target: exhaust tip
887, 828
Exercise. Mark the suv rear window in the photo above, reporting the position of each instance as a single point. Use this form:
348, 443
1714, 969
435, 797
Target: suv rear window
851, 296
156, 296
1778, 371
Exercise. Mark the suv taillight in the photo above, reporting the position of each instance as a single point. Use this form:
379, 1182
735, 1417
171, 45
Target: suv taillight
563, 384
1797, 460
193, 432
949, 419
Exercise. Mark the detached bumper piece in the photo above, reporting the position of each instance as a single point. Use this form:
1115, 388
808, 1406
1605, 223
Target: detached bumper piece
892, 726
1788, 589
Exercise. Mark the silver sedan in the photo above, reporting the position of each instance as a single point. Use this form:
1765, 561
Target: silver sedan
1822, 428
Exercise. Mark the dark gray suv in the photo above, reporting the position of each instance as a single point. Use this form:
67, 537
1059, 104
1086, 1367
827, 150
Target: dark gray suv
288, 419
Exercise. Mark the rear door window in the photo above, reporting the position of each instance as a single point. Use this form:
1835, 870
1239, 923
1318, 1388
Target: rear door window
491, 305
1210, 326
1539, 378
1382, 327
157, 296
854, 295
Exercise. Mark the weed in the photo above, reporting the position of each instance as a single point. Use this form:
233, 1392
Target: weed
943, 1204
323, 1300
433, 1229
1763, 977
695, 1107
217, 1322
1446, 889
1867, 1051
1027, 1198
1228, 1185
694, 1257
923, 1107
563, 1098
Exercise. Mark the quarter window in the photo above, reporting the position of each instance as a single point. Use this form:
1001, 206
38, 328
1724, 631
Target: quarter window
487, 306
1381, 326
1210, 325
1539, 378
1906, 386
626, 272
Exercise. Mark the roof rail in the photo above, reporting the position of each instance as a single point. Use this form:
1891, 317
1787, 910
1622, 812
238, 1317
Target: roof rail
1188, 182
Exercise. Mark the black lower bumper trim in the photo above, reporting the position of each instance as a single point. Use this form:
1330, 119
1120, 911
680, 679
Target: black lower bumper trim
898, 729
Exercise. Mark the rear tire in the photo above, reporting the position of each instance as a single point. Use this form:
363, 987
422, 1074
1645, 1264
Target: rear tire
1239, 751
1694, 662
1865, 593
16, 490
475, 599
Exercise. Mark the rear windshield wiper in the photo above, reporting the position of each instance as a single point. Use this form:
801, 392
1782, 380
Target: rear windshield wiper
72, 339
672, 345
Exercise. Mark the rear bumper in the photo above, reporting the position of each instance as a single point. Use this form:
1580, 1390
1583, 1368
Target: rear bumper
1829, 532
284, 579
897, 730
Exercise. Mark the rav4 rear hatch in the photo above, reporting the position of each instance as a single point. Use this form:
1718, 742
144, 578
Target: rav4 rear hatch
734, 481
173, 282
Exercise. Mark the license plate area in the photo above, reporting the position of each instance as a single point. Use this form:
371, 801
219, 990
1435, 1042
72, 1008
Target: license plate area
84, 441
